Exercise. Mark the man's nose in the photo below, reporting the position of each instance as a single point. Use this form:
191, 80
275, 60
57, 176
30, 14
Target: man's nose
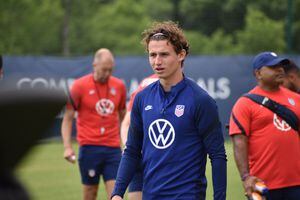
158, 59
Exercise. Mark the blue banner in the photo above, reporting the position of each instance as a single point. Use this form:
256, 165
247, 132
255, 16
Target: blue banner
225, 78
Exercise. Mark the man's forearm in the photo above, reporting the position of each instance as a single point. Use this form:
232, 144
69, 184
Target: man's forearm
127, 168
66, 128
240, 149
219, 176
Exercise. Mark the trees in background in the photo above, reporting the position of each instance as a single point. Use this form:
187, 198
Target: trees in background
76, 27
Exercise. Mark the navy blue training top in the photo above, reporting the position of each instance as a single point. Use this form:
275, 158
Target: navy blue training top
175, 131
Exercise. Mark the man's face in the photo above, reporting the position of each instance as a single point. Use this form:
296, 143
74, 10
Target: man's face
271, 75
287, 83
290, 81
163, 59
103, 68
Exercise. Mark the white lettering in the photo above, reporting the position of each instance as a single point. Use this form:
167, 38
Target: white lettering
224, 89
23, 81
41, 81
50, 83
216, 88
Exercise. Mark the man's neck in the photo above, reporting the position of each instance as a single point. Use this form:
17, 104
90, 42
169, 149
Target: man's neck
269, 88
99, 80
168, 83
297, 85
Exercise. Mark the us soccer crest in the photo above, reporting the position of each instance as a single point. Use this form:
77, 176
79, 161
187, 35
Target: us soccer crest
179, 110
291, 101
92, 172
113, 91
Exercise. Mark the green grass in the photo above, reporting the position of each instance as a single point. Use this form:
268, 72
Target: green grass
47, 176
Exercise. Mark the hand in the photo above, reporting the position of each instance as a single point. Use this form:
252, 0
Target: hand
116, 197
69, 155
249, 184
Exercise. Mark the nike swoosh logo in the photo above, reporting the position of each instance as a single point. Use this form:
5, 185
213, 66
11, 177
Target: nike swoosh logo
149, 107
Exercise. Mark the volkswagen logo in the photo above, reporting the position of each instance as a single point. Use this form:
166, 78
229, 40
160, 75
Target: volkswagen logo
105, 107
161, 133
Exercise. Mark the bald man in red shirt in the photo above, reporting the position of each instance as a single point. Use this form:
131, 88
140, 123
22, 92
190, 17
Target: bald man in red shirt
99, 100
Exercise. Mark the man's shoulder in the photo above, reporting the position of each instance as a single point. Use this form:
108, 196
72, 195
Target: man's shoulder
290, 93
116, 81
82, 81
149, 80
147, 91
84, 78
197, 91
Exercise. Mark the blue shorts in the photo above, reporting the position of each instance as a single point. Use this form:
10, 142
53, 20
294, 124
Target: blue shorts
136, 184
290, 193
95, 161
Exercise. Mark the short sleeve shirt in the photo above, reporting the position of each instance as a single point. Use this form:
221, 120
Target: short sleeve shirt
98, 106
273, 146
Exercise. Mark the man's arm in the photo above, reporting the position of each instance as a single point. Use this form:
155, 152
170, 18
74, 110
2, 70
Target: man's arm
214, 144
124, 128
132, 154
240, 150
122, 115
209, 126
66, 131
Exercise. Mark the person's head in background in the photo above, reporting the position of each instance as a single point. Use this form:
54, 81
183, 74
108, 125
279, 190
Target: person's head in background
292, 77
103, 65
268, 69
1, 67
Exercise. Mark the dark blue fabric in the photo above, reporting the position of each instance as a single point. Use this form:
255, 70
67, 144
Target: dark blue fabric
96, 161
136, 184
288, 193
175, 131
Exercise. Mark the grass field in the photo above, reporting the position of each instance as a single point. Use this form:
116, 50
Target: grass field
47, 176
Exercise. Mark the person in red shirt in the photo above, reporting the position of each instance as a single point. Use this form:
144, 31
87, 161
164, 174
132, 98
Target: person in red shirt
136, 184
266, 148
99, 100
292, 77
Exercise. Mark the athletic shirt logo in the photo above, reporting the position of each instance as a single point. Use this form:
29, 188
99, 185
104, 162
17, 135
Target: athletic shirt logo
105, 107
281, 124
161, 133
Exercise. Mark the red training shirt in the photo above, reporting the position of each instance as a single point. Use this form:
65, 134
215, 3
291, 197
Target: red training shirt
144, 83
273, 146
98, 107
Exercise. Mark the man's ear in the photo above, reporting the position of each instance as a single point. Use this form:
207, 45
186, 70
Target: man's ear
257, 74
292, 76
182, 55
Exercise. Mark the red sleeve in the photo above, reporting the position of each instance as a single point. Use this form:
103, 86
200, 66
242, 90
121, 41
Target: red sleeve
132, 96
123, 97
240, 117
130, 103
74, 96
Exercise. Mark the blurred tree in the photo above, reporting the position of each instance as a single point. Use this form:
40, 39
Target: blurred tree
159, 11
30, 27
76, 27
117, 27
233, 17
66, 5
201, 15
260, 34
218, 43
279, 10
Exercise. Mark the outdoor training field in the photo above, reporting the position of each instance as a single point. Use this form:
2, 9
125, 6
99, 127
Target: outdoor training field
47, 176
